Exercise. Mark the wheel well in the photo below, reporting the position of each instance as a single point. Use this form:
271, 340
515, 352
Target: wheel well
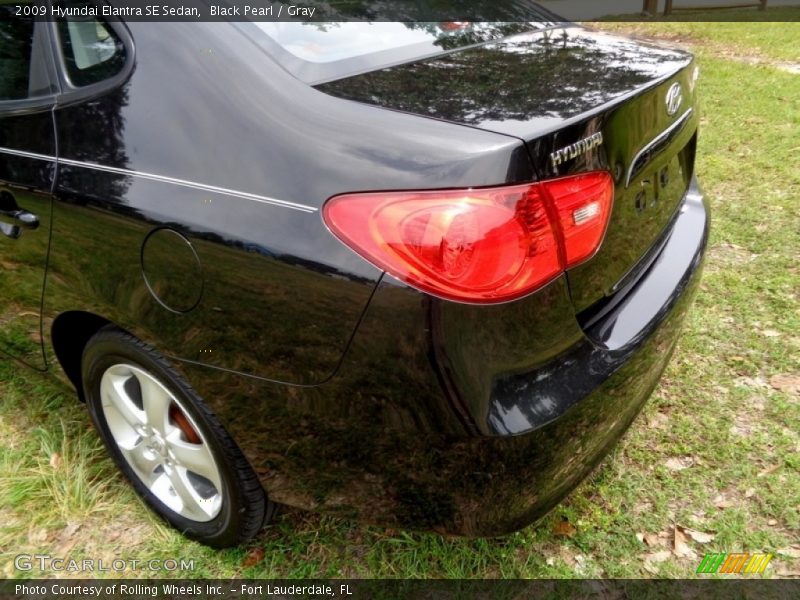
70, 333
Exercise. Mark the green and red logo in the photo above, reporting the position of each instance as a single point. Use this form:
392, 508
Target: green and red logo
736, 563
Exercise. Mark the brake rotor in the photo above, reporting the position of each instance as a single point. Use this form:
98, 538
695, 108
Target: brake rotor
181, 422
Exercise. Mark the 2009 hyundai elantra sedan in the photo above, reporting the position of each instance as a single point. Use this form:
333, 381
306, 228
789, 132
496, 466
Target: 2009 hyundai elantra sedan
422, 274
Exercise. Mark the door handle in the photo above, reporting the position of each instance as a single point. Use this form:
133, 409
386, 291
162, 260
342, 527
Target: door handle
21, 219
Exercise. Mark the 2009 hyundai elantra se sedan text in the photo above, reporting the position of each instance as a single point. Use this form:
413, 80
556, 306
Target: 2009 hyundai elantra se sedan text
420, 274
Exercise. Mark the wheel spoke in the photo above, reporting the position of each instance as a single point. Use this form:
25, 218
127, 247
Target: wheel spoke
155, 402
115, 396
191, 500
196, 458
162, 489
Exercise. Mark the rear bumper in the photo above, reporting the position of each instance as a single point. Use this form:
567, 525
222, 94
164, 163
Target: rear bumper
640, 315
510, 435
564, 419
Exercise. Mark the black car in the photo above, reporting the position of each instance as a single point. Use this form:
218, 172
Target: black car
422, 274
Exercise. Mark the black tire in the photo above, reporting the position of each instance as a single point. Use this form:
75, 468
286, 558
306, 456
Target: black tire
244, 507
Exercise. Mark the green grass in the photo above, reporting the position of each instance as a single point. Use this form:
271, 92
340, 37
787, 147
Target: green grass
715, 409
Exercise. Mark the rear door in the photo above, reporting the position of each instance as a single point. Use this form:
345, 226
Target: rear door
27, 172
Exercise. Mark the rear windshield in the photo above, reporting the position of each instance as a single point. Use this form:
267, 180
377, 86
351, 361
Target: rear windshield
323, 51
328, 42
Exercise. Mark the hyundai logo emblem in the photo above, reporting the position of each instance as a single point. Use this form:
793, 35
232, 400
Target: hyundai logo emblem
674, 98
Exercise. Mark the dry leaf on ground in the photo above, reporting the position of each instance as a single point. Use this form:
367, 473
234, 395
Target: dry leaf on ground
680, 547
67, 538
657, 557
679, 464
652, 539
255, 556
768, 470
698, 536
564, 529
657, 420
71, 529
650, 560
39, 537
721, 501
55, 460
786, 382
754, 382
567, 556
791, 552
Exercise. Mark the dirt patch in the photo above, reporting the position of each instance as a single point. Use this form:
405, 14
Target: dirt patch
754, 59
725, 255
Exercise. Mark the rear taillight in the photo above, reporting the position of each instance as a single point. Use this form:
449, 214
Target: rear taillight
478, 245
583, 205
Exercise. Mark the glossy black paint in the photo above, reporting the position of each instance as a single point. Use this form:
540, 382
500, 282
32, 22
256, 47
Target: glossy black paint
214, 128
513, 432
526, 85
25, 186
186, 209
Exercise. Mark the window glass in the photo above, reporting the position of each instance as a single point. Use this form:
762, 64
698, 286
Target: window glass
92, 51
16, 43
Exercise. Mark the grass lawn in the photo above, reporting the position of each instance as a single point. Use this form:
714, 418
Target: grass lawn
712, 464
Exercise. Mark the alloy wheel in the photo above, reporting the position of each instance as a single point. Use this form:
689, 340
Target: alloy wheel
161, 443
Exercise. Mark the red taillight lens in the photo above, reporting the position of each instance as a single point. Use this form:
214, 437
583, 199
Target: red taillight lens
583, 204
484, 245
